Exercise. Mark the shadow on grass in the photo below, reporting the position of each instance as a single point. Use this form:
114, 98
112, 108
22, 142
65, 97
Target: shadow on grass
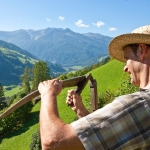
32, 119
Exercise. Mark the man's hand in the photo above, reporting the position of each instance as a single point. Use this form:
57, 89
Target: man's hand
75, 102
50, 87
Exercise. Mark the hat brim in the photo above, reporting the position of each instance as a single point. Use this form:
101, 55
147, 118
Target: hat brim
117, 44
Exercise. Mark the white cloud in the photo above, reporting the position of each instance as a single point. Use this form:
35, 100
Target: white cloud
99, 24
80, 23
112, 29
48, 19
61, 18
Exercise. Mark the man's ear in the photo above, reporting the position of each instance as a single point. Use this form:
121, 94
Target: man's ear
142, 50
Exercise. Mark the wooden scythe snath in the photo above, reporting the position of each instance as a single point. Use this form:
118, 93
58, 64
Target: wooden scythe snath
80, 82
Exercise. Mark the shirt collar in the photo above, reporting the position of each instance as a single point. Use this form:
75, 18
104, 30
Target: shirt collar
145, 88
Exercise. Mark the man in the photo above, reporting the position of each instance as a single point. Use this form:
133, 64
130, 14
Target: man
122, 124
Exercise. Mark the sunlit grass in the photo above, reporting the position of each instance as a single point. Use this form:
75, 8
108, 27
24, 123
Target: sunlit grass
20, 140
15, 89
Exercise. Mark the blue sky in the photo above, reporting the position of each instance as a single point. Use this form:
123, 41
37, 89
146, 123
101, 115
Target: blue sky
107, 17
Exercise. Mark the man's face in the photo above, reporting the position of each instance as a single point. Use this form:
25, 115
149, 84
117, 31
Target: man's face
132, 66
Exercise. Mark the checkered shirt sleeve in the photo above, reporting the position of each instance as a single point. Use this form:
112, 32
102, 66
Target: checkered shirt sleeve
122, 124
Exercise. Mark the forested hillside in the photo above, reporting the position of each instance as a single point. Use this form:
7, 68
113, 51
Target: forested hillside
13, 61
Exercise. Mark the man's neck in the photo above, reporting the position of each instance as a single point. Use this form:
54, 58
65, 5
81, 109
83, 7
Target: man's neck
145, 76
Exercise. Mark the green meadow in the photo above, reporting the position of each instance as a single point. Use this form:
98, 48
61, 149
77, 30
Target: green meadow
14, 89
108, 77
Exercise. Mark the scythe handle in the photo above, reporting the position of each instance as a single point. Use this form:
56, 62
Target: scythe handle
80, 82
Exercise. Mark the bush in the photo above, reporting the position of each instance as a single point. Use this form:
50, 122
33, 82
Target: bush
105, 98
36, 141
14, 120
108, 96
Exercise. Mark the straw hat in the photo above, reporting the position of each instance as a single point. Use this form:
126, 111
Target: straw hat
139, 35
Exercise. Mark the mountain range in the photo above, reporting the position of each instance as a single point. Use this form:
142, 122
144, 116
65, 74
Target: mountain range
60, 46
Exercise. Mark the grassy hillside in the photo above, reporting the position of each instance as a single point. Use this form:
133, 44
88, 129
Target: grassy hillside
14, 90
12, 64
108, 77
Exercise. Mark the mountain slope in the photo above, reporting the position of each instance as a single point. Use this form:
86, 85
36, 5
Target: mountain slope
13, 61
61, 46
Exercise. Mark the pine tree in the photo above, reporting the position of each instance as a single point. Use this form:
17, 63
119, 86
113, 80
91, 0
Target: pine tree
40, 72
26, 80
2, 98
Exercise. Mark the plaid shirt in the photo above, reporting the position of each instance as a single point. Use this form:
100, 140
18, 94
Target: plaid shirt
123, 124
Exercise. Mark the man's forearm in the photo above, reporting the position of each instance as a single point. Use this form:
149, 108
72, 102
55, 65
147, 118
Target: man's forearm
50, 124
82, 112
55, 134
49, 105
